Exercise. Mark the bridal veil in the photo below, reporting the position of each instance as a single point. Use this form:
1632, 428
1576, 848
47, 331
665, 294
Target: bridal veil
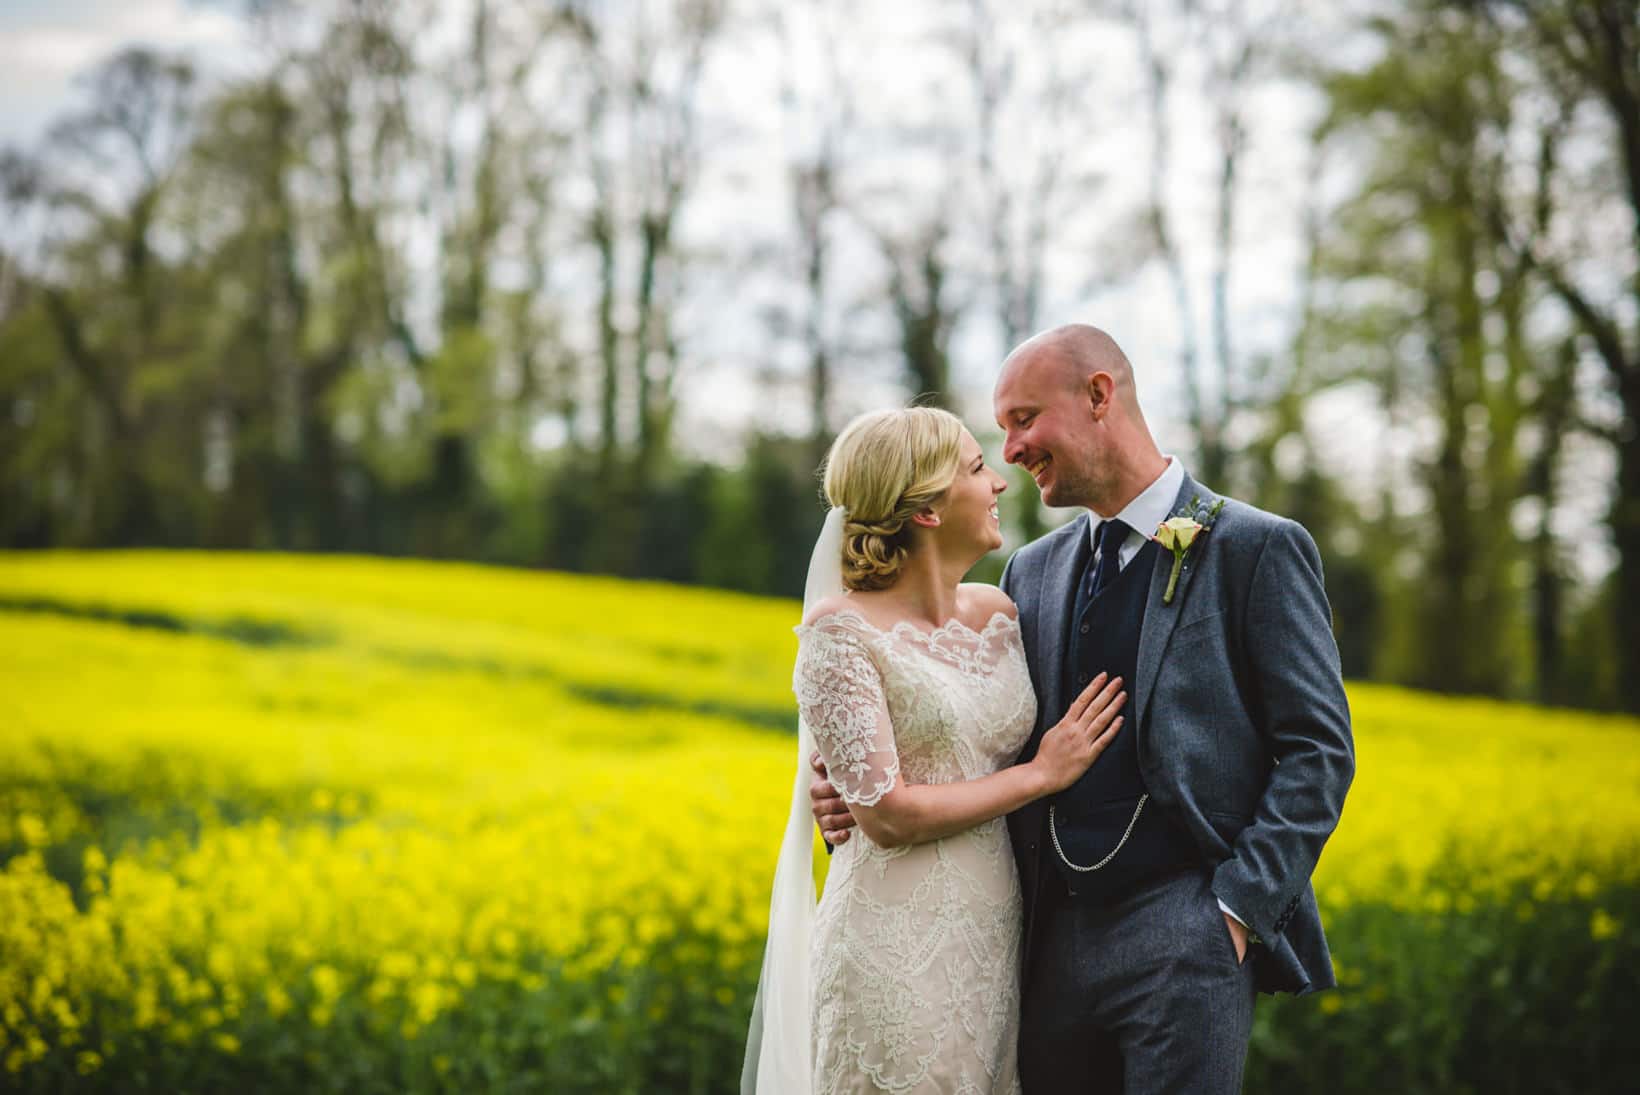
778, 1041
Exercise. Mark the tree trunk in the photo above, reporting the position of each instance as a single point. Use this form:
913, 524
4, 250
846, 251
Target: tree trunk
1625, 526
1548, 583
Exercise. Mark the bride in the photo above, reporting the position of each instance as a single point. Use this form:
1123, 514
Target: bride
914, 688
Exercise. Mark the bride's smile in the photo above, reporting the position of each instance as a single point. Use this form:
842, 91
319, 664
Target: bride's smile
969, 517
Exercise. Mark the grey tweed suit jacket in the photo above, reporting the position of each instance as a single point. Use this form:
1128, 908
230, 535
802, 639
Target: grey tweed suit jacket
1243, 728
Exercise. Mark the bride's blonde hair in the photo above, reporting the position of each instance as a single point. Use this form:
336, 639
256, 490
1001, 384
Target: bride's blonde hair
884, 467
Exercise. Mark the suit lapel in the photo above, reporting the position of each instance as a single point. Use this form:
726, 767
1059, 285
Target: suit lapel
1054, 612
1160, 619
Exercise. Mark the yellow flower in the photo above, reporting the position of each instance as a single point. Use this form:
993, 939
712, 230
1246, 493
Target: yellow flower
326, 981
500, 823
427, 999
33, 831
1603, 925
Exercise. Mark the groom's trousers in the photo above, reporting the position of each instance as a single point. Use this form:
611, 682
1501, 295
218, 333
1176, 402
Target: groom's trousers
1140, 995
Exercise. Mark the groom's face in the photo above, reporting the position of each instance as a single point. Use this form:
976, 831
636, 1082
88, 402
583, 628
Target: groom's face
1048, 423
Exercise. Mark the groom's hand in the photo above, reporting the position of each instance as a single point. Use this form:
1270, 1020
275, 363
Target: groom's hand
830, 811
1238, 935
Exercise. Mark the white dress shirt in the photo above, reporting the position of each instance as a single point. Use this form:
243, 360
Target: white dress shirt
1153, 505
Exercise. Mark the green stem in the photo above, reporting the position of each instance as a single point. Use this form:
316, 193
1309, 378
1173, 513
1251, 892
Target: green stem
1173, 579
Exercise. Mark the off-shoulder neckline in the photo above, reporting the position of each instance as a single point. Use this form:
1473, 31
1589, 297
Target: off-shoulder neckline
953, 624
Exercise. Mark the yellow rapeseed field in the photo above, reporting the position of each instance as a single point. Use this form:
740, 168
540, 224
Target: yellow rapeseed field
248, 790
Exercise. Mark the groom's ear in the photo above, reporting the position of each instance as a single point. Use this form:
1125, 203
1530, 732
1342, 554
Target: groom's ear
1101, 392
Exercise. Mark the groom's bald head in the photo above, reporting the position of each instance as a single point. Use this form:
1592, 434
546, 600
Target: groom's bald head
1070, 356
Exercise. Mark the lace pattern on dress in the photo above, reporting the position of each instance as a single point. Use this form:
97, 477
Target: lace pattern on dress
840, 696
916, 949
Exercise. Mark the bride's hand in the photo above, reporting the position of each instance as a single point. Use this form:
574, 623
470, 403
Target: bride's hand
830, 812
1075, 741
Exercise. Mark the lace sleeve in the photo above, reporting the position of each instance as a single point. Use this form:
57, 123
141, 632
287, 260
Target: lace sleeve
840, 698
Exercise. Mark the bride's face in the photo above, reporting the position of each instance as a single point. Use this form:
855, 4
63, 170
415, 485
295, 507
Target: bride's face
968, 516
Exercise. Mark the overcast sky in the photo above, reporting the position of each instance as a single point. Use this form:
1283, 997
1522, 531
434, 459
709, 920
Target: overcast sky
44, 44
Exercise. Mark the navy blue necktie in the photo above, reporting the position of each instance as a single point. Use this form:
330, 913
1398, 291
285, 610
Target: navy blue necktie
1111, 535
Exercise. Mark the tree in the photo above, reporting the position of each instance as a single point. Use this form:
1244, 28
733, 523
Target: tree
1584, 58
100, 289
1027, 124
1443, 321
642, 151
819, 122
1233, 44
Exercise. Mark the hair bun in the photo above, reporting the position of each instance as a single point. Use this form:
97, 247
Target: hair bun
884, 467
874, 552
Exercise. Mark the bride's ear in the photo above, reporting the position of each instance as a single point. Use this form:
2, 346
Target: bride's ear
927, 518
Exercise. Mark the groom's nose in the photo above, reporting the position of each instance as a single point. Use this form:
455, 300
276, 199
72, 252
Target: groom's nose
1011, 448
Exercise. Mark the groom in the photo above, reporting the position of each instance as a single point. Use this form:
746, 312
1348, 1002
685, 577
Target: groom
1172, 881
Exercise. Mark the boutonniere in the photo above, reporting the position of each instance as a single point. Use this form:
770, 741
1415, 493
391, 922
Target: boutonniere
1180, 531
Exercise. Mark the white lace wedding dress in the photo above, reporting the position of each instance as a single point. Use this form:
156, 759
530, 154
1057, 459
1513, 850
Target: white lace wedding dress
916, 950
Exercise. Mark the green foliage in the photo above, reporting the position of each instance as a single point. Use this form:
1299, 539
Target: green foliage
1512, 994
1592, 668
761, 531
1431, 276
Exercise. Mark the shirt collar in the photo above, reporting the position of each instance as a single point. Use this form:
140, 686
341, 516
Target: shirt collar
1152, 506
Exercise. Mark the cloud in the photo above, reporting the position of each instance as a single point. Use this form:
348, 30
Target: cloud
44, 46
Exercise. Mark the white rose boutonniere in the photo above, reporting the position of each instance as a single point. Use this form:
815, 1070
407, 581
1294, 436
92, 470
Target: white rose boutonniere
1179, 532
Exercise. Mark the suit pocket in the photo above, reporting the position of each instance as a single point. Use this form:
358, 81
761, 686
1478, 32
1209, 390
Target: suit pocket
1197, 627
1229, 941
